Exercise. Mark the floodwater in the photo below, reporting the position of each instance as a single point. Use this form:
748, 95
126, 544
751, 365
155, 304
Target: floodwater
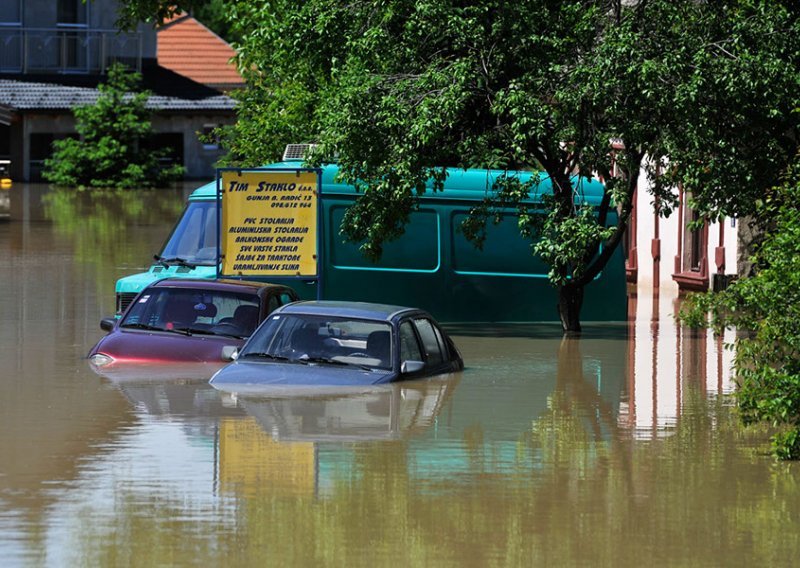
620, 448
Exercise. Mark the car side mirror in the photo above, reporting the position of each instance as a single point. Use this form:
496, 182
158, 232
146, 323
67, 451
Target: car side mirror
107, 324
411, 367
230, 353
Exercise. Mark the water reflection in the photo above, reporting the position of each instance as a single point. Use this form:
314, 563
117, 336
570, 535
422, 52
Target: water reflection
5, 203
382, 412
618, 448
176, 400
665, 360
157, 373
55, 415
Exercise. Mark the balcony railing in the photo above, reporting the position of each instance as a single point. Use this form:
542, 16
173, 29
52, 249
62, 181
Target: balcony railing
66, 50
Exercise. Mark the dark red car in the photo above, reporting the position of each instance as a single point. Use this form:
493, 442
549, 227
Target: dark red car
187, 320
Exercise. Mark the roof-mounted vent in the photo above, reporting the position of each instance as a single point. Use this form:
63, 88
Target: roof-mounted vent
295, 152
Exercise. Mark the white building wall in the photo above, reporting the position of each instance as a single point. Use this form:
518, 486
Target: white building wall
657, 273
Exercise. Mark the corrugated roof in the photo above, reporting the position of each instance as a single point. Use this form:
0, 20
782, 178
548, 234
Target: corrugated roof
41, 95
187, 47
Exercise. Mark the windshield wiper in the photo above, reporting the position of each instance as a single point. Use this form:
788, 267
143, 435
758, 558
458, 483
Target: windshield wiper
264, 355
323, 360
327, 361
200, 331
167, 262
139, 325
180, 330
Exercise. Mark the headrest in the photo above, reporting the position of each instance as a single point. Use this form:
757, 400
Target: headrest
246, 317
246, 312
305, 338
378, 344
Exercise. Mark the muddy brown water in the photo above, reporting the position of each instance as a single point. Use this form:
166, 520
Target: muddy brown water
619, 448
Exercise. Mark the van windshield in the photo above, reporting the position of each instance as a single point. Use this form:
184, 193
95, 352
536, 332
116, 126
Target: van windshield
195, 238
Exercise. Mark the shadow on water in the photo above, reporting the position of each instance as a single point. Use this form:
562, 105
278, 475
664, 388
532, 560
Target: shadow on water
541, 330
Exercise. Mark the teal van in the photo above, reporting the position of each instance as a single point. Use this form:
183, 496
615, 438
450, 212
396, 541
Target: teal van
432, 266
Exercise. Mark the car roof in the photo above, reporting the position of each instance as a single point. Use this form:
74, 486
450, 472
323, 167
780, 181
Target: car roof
218, 284
359, 310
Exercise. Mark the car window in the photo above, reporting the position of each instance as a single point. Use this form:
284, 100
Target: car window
273, 303
274, 336
338, 340
409, 346
442, 343
430, 342
287, 298
214, 311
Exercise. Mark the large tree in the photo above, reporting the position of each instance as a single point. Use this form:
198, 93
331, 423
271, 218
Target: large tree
399, 89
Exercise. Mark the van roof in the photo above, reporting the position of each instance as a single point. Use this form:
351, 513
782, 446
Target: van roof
469, 184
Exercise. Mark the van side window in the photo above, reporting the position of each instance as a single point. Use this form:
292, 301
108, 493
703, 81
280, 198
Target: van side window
286, 298
409, 346
433, 349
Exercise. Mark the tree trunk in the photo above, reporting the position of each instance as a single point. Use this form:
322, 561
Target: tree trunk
570, 300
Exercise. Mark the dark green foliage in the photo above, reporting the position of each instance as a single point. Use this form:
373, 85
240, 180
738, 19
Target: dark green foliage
767, 308
287, 53
131, 12
111, 150
213, 15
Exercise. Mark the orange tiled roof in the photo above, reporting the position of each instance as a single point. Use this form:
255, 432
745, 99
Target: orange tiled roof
188, 48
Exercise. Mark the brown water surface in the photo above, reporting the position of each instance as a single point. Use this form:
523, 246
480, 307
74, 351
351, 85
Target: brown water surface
620, 448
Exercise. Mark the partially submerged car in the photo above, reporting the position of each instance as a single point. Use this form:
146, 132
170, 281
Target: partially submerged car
188, 320
312, 345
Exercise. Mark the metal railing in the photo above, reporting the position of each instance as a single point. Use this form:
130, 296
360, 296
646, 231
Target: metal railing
66, 50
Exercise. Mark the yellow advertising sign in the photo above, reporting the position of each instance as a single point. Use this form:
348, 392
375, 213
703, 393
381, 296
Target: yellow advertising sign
269, 223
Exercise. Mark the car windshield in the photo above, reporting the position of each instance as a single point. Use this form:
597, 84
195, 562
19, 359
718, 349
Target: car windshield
303, 338
194, 239
194, 311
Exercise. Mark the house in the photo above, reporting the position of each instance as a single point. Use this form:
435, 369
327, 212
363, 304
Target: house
187, 47
679, 253
56, 52
670, 254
